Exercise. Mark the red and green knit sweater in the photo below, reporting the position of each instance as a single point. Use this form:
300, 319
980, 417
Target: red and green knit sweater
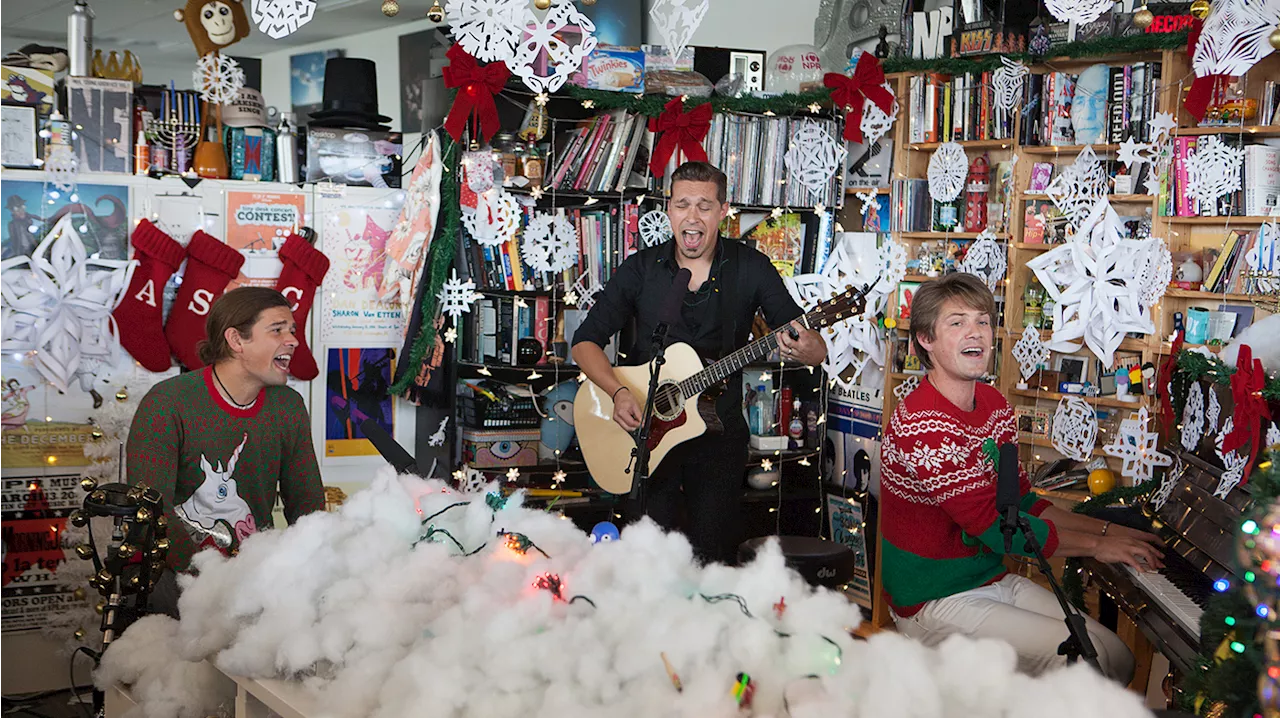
940, 529
219, 468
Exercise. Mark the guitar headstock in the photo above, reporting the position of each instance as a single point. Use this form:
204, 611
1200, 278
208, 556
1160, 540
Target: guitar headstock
845, 305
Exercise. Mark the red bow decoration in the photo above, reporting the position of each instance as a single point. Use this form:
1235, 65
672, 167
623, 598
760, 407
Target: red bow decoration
1250, 408
478, 86
1202, 88
1166, 377
851, 93
683, 130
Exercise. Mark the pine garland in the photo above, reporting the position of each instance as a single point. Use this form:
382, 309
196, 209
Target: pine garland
1098, 47
652, 105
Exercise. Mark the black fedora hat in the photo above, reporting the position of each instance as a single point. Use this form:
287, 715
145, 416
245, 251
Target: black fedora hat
350, 93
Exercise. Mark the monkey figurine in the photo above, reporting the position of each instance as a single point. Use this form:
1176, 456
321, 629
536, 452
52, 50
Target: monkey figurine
213, 24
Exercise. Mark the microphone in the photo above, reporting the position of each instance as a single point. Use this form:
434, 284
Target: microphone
400, 460
1008, 493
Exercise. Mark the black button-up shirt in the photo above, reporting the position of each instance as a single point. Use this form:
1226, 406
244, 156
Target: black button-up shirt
638, 290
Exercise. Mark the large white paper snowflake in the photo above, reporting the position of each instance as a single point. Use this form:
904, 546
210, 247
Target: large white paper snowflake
676, 21
1232, 463
813, 157
906, 386
1167, 484
550, 243
655, 228
1096, 280
1193, 418
496, 219
1235, 36
1080, 12
1074, 429
1214, 412
1030, 352
281, 18
1261, 259
58, 304
457, 296
1007, 82
1136, 446
1213, 169
487, 29
218, 78
947, 169
986, 259
874, 122
1079, 186
583, 292
544, 40
1157, 271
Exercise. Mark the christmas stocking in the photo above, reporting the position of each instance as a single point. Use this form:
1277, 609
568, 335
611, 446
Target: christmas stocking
210, 266
304, 268
158, 256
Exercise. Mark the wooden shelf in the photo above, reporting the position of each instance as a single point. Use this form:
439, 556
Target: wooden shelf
1096, 400
1047, 444
1066, 149
1076, 495
855, 190
1126, 343
1224, 221
1036, 246
1110, 197
902, 376
1259, 130
1195, 294
967, 144
945, 235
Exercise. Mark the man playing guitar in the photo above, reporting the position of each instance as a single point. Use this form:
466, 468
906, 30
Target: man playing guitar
730, 281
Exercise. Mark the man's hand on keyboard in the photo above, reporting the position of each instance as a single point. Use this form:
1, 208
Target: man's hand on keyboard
1139, 554
1154, 540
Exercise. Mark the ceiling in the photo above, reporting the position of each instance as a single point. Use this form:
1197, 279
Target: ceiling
148, 29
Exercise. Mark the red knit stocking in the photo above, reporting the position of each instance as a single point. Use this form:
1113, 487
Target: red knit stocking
304, 269
139, 317
210, 265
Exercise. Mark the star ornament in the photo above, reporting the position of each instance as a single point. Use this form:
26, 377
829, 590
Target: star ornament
1136, 446
58, 303
1162, 125
1131, 152
513, 474
450, 335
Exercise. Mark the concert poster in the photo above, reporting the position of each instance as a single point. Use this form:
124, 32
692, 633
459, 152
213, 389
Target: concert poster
356, 382
353, 234
846, 524
34, 513
260, 222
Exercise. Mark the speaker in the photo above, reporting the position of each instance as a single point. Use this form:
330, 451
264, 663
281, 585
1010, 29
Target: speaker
716, 62
819, 561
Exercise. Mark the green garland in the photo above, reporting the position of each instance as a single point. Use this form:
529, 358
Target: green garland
1194, 366
1098, 47
652, 105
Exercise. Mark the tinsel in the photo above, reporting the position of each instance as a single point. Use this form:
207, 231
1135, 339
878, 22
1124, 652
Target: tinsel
1085, 48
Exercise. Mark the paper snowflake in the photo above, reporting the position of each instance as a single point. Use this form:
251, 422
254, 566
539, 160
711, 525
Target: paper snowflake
948, 168
1193, 418
58, 304
487, 29
584, 291
874, 122
908, 385
1235, 36
1213, 169
1080, 12
813, 157
457, 296
868, 201
1273, 436
1136, 446
1171, 479
471, 481
985, 259
1074, 429
1077, 189
1161, 126
1213, 413
1007, 82
218, 78
1132, 152
437, 439
550, 243
1030, 352
496, 219
655, 228
543, 40
676, 21
281, 18
1157, 271
1233, 463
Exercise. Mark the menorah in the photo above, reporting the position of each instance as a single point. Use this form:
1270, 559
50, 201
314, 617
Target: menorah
1263, 288
174, 143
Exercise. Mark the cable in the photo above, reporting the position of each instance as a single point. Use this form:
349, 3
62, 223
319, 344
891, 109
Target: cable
71, 674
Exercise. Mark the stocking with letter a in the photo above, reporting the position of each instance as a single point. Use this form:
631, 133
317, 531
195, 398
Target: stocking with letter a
139, 317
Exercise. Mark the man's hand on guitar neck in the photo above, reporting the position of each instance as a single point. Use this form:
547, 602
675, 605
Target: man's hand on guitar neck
807, 348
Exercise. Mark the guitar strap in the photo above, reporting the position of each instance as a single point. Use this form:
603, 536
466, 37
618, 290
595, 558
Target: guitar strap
729, 298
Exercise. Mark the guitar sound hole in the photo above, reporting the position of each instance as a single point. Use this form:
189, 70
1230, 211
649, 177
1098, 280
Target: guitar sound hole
668, 402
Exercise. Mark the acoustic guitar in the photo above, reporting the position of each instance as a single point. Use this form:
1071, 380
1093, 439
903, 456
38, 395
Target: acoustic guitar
682, 408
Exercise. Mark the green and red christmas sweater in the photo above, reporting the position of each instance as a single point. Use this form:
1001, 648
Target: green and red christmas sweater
220, 468
939, 525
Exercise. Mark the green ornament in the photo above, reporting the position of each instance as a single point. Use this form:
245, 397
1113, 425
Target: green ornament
495, 501
992, 453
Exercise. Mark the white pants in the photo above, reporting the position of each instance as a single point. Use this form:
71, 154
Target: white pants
1019, 611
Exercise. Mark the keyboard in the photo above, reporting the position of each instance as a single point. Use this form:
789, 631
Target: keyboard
1177, 589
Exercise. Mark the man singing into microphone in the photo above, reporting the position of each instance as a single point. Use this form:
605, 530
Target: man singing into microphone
729, 282
943, 550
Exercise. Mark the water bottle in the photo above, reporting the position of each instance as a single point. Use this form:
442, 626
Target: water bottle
80, 39
764, 402
286, 151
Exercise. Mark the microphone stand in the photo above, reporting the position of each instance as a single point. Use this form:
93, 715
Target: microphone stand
640, 454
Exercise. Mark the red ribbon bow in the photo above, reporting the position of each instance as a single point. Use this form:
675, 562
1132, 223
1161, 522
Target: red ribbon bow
851, 93
683, 130
1202, 88
478, 86
1165, 379
1246, 394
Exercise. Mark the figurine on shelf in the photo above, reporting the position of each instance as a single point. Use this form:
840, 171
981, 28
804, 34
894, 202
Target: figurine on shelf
977, 187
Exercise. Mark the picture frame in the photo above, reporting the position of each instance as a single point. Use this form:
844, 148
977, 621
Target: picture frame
1071, 368
906, 290
19, 127
1032, 421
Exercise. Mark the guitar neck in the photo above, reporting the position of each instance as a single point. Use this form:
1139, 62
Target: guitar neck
728, 365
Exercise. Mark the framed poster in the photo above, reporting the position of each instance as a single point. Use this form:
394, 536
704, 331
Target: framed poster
354, 231
18, 136
260, 222
846, 523
101, 213
356, 382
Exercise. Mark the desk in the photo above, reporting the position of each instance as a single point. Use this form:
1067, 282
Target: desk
254, 698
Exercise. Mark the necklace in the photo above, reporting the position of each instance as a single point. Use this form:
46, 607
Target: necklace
230, 398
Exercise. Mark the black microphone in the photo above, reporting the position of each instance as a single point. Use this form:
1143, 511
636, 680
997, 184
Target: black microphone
400, 460
1008, 493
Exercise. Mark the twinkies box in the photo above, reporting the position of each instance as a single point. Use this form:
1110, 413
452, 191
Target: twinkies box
366, 158
618, 69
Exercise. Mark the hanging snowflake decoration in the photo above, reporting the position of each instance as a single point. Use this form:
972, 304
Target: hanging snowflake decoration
487, 29
457, 296
1233, 463
1213, 169
1007, 82
550, 243
583, 292
867, 200
655, 228
544, 40
1235, 36
1080, 12
1096, 280
1213, 413
892, 268
1171, 479
1157, 271
496, 219
908, 385
281, 18
1074, 429
1136, 446
1161, 126
875, 123
1030, 352
218, 78
1273, 435
470, 481
1193, 418
948, 168
676, 21
1078, 187
1134, 153
58, 304
813, 157
986, 260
